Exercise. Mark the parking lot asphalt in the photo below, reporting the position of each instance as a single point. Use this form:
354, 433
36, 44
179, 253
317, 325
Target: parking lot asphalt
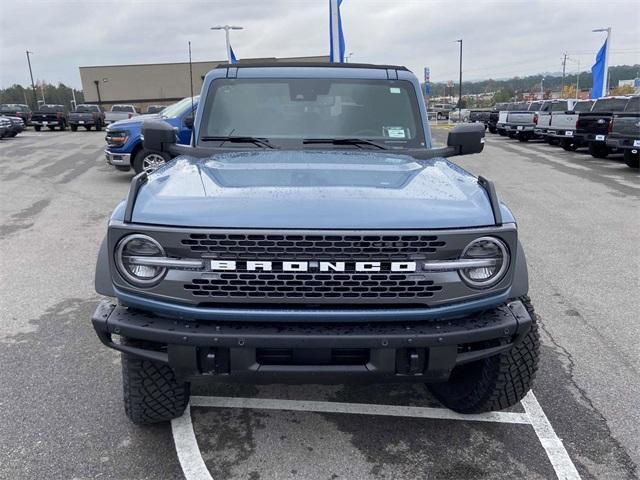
61, 413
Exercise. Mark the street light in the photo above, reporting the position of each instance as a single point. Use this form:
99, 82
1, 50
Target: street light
605, 83
33, 85
226, 29
460, 86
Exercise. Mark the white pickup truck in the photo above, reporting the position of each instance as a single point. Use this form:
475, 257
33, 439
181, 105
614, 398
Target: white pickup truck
503, 115
120, 112
544, 116
563, 125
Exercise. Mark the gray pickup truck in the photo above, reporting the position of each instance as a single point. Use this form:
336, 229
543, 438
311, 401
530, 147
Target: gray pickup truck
624, 132
545, 116
522, 122
311, 233
88, 117
562, 126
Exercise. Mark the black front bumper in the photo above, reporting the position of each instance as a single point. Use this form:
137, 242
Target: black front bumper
313, 353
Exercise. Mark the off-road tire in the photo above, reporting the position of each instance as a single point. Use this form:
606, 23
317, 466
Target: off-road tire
496, 382
87, 127
598, 150
523, 137
632, 161
151, 392
74, 128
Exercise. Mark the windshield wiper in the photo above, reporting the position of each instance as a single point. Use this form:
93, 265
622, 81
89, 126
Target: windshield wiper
344, 141
262, 142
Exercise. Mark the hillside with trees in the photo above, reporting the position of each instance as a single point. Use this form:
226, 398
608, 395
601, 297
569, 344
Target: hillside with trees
54, 94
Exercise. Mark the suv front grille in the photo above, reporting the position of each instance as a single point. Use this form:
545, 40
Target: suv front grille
326, 285
313, 247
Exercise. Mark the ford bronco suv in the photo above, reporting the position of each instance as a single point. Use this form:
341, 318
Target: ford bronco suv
310, 233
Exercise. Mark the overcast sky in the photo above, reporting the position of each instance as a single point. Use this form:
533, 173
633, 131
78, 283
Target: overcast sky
501, 39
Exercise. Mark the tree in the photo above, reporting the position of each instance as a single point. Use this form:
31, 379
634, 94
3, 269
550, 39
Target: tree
623, 90
569, 91
55, 94
505, 94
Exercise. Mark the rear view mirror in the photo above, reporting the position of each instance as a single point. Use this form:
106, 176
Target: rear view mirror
158, 135
467, 138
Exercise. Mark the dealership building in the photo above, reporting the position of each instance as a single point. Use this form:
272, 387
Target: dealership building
155, 83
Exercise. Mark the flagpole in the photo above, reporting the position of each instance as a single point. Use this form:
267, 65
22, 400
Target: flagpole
606, 63
226, 29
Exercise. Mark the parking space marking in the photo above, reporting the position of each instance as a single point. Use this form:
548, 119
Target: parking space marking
189, 454
356, 408
558, 456
194, 468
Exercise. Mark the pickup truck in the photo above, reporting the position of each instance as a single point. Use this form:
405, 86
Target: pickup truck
624, 132
494, 116
592, 127
544, 116
124, 138
50, 116
522, 121
303, 238
120, 112
480, 115
16, 110
5, 126
14, 126
503, 115
86, 116
441, 110
562, 127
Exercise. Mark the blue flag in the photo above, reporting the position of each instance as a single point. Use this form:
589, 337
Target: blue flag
232, 55
336, 36
599, 73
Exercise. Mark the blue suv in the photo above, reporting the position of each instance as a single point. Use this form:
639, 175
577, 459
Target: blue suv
124, 138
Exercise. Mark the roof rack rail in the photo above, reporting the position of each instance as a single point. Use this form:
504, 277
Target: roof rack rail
493, 198
134, 188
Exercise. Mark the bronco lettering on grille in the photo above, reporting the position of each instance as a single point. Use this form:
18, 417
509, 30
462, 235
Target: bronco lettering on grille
300, 266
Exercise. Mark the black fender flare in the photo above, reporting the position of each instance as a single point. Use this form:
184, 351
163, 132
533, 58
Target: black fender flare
103, 283
520, 285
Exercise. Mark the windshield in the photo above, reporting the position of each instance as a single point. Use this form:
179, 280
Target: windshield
633, 105
52, 108
12, 108
321, 108
86, 109
535, 106
610, 105
583, 106
179, 108
122, 108
559, 107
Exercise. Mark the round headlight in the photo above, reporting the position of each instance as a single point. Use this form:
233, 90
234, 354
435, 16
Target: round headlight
495, 253
131, 253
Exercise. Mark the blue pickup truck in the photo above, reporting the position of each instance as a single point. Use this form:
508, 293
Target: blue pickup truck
310, 233
124, 138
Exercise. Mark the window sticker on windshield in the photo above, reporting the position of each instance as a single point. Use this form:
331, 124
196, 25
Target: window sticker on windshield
394, 132
394, 89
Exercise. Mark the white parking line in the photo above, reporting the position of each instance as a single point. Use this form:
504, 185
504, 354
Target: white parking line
187, 448
356, 408
194, 468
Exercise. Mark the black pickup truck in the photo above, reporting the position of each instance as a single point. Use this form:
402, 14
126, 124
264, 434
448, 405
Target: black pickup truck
624, 132
592, 127
50, 116
16, 110
86, 116
480, 115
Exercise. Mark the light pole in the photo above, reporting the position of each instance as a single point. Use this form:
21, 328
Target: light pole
33, 85
605, 83
460, 86
97, 82
226, 29
346, 59
542, 88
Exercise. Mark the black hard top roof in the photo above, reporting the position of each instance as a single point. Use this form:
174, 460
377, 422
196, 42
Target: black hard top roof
310, 64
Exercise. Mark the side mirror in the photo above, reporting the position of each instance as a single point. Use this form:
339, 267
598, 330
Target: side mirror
188, 121
158, 136
467, 138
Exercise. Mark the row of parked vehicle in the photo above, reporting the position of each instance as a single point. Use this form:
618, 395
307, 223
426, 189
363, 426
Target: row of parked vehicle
603, 126
53, 116
10, 126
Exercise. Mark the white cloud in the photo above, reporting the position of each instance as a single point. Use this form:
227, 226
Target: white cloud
501, 38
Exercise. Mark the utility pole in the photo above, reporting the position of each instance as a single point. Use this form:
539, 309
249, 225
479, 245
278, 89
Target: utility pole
542, 88
460, 87
97, 82
564, 68
33, 85
226, 29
